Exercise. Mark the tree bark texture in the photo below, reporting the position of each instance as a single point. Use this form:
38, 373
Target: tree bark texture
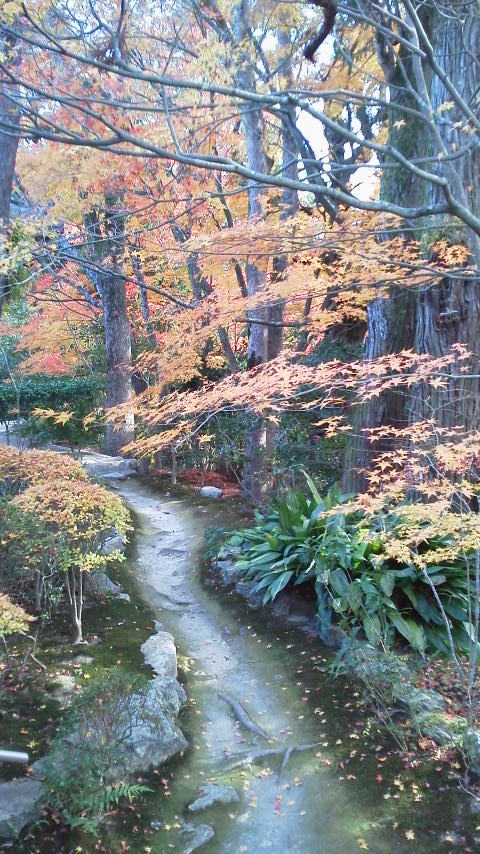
450, 311
252, 123
107, 237
434, 318
9, 114
118, 385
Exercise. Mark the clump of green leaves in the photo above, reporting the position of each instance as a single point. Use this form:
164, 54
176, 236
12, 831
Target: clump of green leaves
53, 530
60, 393
214, 537
31, 561
313, 539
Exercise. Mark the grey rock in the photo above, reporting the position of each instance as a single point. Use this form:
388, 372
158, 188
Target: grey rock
160, 653
63, 688
155, 737
369, 663
169, 693
211, 794
226, 552
78, 661
228, 571
20, 804
142, 728
433, 729
82, 659
211, 492
200, 835
124, 596
37, 769
440, 734
113, 544
118, 475
471, 749
98, 582
421, 702
109, 468
245, 589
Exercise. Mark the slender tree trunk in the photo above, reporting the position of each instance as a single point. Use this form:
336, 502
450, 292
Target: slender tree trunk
75, 598
9, 114
174, 466
288, 197
144, 306
252, 123
201, 288
38, 590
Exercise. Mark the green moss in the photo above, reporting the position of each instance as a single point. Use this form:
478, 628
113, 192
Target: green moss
442, 728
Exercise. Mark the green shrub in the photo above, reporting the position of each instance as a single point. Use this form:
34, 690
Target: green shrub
83, 518
80, 394
79, 770
309, 539
21, 469
213, 537
31, 560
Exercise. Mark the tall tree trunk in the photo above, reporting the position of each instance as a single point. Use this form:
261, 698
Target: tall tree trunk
288, 209
9, 115
118, 384
442, 314
107, 238
450, 311
288, 197
252, 122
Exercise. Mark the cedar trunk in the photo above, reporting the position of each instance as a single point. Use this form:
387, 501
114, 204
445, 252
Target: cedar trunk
431, 320
118, 384
106, 230
9, 114
252, 123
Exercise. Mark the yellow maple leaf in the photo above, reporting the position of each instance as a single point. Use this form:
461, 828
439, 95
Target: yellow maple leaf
89, 419
63, 418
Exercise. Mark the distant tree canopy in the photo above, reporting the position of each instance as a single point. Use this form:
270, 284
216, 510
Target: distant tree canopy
214, 202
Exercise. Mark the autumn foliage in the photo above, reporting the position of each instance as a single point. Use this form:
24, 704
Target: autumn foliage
13, 618
84, 515
69, 518
22, 468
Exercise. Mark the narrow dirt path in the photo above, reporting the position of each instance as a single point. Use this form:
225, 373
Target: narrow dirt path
306, 809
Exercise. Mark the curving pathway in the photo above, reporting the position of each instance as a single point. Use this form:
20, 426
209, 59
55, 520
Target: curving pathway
306, 808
